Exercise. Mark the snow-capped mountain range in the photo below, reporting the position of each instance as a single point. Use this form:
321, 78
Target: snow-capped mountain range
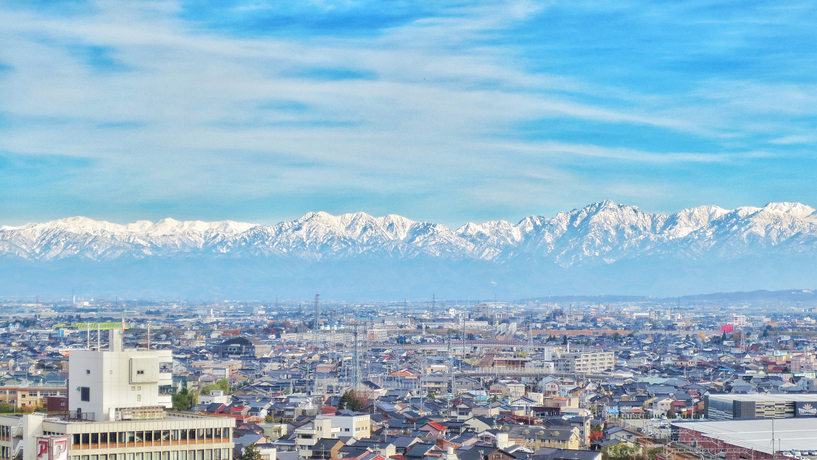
602, 232
601, 248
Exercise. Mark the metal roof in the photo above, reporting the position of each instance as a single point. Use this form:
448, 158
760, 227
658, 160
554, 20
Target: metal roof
789, 433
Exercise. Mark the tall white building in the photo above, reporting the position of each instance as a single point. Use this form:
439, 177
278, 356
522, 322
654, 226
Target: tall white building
118, 401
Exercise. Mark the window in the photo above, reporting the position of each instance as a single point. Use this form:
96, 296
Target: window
84, 393
87, 371
140, 372
138, 398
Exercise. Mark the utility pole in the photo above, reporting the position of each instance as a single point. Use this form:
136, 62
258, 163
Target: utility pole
356, 358
315, 324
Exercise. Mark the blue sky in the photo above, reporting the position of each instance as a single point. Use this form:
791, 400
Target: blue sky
445, 111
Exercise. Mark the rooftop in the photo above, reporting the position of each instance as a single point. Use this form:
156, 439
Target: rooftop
790, 433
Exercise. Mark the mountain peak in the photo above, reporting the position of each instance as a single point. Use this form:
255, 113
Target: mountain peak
796, 209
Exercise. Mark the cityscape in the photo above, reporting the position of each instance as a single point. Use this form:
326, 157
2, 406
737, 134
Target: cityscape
534, 379
408, 230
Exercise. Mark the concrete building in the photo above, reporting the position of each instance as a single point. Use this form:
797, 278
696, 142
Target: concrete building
29, 397
117, 412
308, 435
358, 426
584, 362
748, 406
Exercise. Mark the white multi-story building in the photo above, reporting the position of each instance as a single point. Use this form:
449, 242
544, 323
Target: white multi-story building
117, 404
358, 426
584, 362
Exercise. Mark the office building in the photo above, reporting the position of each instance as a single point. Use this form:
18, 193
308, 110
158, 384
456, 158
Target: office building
118, 401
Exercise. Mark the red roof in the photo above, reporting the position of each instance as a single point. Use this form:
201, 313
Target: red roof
437, 426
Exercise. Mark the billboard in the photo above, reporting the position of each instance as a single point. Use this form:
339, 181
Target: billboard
805, 409
52, 447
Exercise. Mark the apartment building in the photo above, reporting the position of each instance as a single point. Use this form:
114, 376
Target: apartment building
25, 397
584, 362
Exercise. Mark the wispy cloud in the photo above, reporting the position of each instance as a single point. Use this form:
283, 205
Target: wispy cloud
411, 107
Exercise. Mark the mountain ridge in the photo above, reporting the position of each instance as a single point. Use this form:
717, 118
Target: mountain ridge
601, 248
602, 232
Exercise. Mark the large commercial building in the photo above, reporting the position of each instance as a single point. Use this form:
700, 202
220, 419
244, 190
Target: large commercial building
584, 362
756, 439
738, 406
118, 400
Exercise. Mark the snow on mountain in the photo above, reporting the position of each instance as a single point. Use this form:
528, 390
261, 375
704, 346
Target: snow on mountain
598, 234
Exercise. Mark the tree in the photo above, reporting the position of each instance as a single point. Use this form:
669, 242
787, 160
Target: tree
6, 408
222, 385
620, 451
184, 400
250, 452
352, 401
596, 434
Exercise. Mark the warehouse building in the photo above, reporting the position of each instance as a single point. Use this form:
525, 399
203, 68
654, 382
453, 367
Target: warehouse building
756, 439
743, 406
